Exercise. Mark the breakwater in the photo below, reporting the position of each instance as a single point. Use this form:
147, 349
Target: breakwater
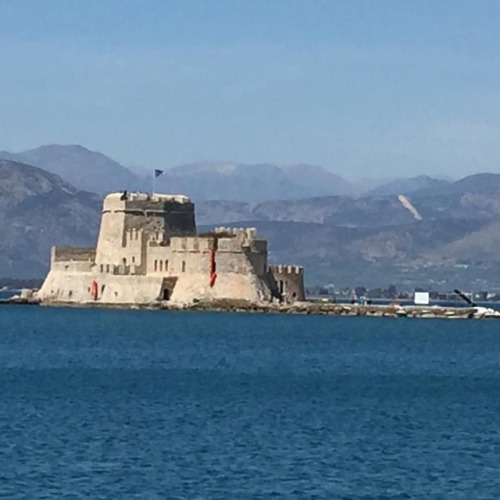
319, 308
386, 310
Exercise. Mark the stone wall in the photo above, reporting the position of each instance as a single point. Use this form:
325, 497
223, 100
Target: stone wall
181, 255
63, 253
77, 287
72, 259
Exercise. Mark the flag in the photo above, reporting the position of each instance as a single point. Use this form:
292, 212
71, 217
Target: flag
158, 172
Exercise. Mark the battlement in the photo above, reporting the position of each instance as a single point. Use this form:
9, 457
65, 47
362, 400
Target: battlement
249, 233
157, 239
191, 244
138, 196
177, 208
282, 269
75, 254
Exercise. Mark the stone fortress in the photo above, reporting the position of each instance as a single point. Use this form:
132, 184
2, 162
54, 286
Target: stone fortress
148, 251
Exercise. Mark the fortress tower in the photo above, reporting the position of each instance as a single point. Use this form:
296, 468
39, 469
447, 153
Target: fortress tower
158, 216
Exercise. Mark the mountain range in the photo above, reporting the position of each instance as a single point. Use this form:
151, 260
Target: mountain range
371, 238
93, 171
86, 170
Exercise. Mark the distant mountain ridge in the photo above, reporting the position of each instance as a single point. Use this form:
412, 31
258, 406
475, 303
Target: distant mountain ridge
408, 186
93, 171
87, 170
37, 210
236, 181
204, 181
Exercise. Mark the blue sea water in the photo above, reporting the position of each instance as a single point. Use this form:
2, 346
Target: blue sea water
150, 404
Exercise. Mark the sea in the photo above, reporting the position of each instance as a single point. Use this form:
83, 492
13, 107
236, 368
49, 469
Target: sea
108, 403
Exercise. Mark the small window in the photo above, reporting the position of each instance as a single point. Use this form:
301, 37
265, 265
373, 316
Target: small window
102, 268
124, 261
161, 265
133, 260
183, 266
70, 294
107, 268
156, 265
166, 265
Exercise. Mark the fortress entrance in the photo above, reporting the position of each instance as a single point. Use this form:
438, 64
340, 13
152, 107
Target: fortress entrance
167, 287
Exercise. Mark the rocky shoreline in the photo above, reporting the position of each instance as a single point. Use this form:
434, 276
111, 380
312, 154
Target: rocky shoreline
389, 310
317, 308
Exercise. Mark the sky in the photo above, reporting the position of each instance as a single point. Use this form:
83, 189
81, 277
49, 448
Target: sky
364, 88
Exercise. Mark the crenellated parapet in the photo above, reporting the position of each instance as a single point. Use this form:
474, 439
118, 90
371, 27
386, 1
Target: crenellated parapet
64, 254
283, 269
242, 233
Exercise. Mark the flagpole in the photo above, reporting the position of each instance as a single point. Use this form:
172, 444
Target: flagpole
156, 173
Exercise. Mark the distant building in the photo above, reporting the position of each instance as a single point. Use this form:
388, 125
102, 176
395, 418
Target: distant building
148, 250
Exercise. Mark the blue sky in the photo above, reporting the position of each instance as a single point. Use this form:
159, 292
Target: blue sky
365, 88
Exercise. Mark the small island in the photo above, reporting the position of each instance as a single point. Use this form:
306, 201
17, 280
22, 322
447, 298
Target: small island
149, 252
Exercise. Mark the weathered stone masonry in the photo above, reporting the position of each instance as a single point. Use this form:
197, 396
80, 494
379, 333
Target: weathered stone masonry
148, 250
